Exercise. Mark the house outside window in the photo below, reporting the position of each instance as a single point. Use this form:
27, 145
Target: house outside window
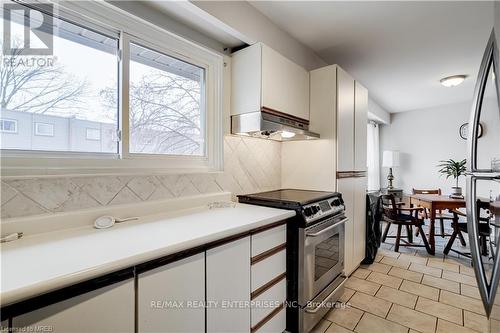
44, 129
8, 126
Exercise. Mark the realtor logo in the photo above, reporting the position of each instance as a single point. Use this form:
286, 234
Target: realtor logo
37, 27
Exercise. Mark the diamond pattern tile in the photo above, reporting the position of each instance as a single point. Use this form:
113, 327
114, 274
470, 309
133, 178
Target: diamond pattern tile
250, 165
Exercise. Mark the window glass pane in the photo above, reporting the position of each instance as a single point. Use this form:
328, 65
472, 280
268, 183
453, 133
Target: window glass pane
167, 106
44, 129
73, 89
8, 126
93, 134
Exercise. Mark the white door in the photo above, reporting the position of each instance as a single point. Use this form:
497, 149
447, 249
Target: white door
345, 121
108, 309
346, 187
285, 85
228, 284
170, 297
359, 230
360, 121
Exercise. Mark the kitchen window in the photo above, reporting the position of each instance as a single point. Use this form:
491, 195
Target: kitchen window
43, 129
166, 109
8, 126
154, 98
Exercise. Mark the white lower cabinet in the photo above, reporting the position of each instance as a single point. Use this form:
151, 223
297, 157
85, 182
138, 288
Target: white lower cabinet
276, 324
268, 301
170, 298
108, 309
228, 287
269, 280
354, 194
206, 292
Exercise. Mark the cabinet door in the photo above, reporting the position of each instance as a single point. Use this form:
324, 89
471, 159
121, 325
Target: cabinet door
285, 85
346, 187
345, 121
227, 280
108, 309
170, 297
246, 80
360, 122
359, 232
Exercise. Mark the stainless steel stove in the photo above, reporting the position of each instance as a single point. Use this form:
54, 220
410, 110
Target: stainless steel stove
315, 251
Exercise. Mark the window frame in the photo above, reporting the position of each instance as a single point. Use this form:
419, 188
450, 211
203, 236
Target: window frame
104, 18
10, 132
128, 39
87, 134
35, 129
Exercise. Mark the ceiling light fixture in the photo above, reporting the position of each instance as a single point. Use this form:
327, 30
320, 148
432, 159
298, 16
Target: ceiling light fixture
452, 81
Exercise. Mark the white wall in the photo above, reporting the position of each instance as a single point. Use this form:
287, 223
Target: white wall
146, 12
247, 20
424, 137
377, 113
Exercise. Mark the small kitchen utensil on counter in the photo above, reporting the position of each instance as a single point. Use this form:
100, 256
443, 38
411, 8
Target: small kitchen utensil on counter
104, 222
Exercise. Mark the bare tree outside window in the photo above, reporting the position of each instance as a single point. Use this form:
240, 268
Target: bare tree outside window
166, 112
39, 87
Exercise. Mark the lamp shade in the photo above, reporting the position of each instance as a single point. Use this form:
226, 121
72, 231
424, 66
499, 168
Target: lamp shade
390, 158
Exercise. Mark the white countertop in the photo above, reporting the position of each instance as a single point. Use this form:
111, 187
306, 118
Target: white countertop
43, 262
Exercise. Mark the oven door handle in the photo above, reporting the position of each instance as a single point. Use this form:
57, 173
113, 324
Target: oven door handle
319, 233
316, 309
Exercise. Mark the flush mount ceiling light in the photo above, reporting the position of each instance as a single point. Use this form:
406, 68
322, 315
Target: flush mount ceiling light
452, 81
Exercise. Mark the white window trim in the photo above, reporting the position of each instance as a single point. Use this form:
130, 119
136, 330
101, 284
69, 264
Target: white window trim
35, 129
10, 132
102, 14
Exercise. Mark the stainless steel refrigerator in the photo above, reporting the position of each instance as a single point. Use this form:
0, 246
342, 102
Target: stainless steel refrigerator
483, 182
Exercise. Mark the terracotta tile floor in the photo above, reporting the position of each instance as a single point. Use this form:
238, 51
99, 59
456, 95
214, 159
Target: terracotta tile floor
411, 292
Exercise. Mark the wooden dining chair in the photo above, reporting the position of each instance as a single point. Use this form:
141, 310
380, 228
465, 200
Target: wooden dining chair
439, 214
393, 213
459, 227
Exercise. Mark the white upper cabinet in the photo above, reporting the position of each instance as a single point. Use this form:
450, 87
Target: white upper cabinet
360, 122
345, 121
261, 77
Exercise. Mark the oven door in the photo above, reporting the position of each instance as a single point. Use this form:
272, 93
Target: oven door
321, 248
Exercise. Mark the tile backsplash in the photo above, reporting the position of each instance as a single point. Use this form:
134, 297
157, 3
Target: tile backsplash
250, 165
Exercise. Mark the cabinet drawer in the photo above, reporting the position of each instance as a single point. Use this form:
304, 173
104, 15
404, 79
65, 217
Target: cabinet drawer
269, 300
266, 270
266, 240
276, 324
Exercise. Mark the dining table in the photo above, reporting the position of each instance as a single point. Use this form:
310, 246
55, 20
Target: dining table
434, 203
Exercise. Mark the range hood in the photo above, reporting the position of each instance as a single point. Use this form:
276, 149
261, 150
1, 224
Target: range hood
271, 124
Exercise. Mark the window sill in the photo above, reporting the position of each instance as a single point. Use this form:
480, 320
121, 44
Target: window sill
88, 165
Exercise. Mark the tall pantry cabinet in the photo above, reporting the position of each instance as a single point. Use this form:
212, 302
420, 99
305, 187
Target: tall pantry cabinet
337, 161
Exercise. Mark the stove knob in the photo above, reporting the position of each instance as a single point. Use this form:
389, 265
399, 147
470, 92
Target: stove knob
308, 211
315, 209
336, 202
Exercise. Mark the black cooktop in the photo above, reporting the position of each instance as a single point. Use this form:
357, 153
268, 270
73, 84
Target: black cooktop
287, 198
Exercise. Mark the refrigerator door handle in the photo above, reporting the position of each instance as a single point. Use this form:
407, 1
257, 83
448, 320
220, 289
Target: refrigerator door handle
487, 289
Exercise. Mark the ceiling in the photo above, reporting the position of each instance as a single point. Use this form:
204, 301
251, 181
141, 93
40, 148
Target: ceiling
398, 50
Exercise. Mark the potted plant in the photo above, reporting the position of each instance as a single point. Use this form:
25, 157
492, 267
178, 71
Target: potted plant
455, 169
